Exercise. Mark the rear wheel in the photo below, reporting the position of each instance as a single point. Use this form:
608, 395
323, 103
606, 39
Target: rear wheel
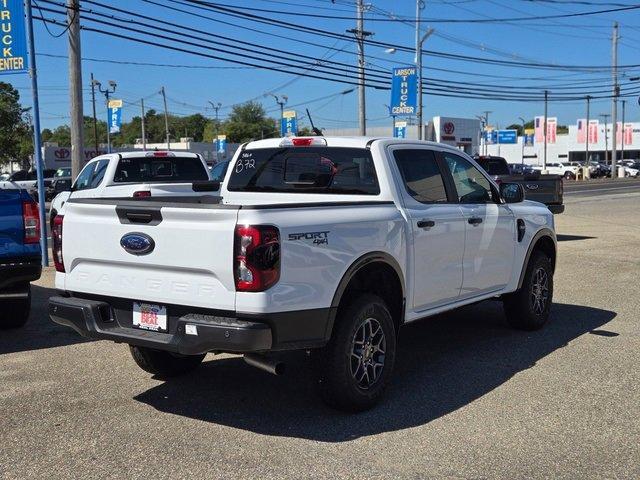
15, 313
529, 307
164, 364
356, 365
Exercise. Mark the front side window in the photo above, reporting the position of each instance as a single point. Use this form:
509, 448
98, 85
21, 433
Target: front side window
305, 170
421, 175
83, 182
471, 185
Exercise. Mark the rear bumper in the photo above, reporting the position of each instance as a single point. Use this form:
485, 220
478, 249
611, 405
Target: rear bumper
17, 271
110, 319
555, 209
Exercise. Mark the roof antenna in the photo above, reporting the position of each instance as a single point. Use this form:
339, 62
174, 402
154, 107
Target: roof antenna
316, 131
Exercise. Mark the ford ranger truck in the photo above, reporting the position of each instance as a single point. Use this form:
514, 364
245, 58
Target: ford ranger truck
20, 258
329, 245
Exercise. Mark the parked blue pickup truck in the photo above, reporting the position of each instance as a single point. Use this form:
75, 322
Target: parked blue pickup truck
20, 258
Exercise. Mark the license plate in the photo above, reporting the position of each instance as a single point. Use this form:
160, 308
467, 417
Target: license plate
150, 317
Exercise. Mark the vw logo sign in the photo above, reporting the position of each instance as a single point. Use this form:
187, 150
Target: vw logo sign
137, 243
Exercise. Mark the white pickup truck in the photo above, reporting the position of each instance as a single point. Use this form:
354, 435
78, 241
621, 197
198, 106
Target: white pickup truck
135, 174
325, 244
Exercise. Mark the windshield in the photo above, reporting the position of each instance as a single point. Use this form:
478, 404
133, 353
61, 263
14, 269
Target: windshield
305, 170
160, 170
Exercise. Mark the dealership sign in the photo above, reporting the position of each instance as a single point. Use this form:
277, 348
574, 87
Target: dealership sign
288, 124
400, 130
404, 90
115, 115
507, 136
13, 40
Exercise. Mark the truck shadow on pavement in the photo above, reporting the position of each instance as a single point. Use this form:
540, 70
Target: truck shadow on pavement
443, 364
40, 331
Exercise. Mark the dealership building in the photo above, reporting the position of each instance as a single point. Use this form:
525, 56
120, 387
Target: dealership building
465, 134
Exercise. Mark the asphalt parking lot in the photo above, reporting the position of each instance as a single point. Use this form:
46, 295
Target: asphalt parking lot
470, 398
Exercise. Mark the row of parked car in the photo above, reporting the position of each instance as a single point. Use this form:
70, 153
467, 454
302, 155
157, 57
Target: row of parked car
55, 181
569, 170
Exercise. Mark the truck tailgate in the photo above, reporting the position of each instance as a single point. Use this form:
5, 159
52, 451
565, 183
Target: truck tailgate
544, 188
191, 262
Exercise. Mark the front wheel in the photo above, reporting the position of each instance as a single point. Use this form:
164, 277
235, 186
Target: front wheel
529, 307
356, 365
164, 364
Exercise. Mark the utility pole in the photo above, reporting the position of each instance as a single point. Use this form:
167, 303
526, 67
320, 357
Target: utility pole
622, 147
546, 104
419, 68
107, 92
586, 150
166, 118
360, 35
95, 118
75, 87
216, 107
614, 105
37, 151
144, 135
606, 116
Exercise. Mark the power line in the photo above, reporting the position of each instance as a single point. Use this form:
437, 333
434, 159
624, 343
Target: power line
424, 20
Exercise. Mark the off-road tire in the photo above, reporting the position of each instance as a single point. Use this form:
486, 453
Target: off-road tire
520, 307
15, 313
164, 364
335, 363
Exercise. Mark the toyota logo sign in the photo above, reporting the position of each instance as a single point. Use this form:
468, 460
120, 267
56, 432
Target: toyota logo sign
449, 128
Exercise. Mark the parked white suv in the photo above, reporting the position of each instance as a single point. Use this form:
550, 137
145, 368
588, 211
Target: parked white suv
324, 244
565, 169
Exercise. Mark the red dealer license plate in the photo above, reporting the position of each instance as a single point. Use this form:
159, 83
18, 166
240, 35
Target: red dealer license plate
150, 317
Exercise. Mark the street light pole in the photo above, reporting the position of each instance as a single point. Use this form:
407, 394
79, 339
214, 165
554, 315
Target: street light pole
95, 118
106, 92
216, 107
586, 151
606, 116
282, 101
622, 146
523, 139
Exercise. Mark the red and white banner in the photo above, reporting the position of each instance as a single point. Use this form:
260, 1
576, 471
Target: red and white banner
619, 133
538, 125
552, 129
593, 131
628, 133
582, 130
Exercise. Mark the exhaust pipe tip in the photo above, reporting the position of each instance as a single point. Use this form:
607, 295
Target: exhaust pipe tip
270, 365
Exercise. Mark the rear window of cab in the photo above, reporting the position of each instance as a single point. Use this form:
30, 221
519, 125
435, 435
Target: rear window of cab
160, 170
331, 170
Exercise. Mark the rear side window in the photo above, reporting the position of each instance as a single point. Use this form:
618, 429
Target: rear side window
305, 170
421, 175
159, 170
494, 166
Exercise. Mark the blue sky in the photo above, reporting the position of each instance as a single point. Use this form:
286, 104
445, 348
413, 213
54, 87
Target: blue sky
575, 41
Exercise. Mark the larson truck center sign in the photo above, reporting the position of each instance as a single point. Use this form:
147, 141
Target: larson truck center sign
13, 42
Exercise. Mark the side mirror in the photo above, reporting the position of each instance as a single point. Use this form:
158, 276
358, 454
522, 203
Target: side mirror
512, 192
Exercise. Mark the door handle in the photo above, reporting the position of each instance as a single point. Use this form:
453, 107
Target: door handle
426, 223
475, 221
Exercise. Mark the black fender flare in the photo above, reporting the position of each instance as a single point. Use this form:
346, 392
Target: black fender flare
542, 233
355, 267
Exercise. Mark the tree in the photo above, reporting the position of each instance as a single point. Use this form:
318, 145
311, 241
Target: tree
15, 131
248, 122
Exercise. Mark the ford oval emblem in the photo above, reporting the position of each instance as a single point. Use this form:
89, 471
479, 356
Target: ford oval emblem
532, 186
137, 243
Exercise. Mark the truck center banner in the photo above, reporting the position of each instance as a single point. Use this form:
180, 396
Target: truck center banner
13, 39
404, 91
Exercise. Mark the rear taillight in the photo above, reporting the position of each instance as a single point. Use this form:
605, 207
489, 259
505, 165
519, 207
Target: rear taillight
31, 221
141, 194
257, 257
56, 235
